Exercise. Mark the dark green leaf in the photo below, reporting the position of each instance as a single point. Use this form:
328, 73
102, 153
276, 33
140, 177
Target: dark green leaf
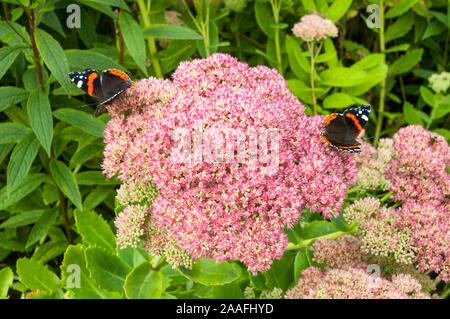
300, 263
264, 18
82, 120
94, 178
134, 39
54, 57
22, 219
41, 120
21, 159
29, 184
66, 181
406, 62
11, 95
41, 228
170, 31
400, 8
337, 9
8, 55
96, 196
88, 59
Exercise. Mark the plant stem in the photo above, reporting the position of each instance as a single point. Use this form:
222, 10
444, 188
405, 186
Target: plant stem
383, 83
32, 23
307, 242
276, 16
62, 205
313, 58
145, 14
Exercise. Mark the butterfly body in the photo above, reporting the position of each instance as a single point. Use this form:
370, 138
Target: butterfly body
341, 130
105, 86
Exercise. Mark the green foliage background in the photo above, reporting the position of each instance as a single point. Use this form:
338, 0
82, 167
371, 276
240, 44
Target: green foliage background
56, 207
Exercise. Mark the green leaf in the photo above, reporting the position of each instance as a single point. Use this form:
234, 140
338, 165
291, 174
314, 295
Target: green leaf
281, 272
300, 263
41, 120
21, 159
50, 250
369, 62
54, 57
96, 196
309, 5
144, 283
114, 3
338, 101
82, 120
8, 55
377, 74
400, 27
343, 77
22, 219
86, 153
66, 182
434, 28
406, 62
88, 59
338, 8
297, 61
412, 116
427, 96
36, 276
12, 132
11, 95
74, 267
16, 13
51, 20
135, 256
107, 270
134, 39
397, 48
104, 8
95, 231
300, 90
264, 18
207, 272
94, 178
11, 244
29, 184
41, 228
6, 280
400, 8
318, 228
170, 31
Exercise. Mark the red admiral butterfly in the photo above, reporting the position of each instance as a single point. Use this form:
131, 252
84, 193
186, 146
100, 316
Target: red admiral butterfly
105, 87
341, 130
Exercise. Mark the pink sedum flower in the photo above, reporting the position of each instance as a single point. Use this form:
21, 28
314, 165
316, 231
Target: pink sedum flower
417, 170
130, 225
353, 283
313, 27
225, 210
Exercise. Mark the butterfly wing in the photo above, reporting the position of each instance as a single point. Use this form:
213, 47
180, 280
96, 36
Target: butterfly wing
113, 83
340, 132
88, 81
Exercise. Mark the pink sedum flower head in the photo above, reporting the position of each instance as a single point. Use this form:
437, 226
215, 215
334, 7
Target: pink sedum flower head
353, 283
313, 27
417, 171
234, 208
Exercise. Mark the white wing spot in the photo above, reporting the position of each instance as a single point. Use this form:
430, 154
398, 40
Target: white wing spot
80, 84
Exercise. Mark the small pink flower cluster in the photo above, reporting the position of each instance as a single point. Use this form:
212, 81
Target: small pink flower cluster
313, 27
414, 233
130, 225
349, 252
417, 172
353, 283
372, 164
226, 210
